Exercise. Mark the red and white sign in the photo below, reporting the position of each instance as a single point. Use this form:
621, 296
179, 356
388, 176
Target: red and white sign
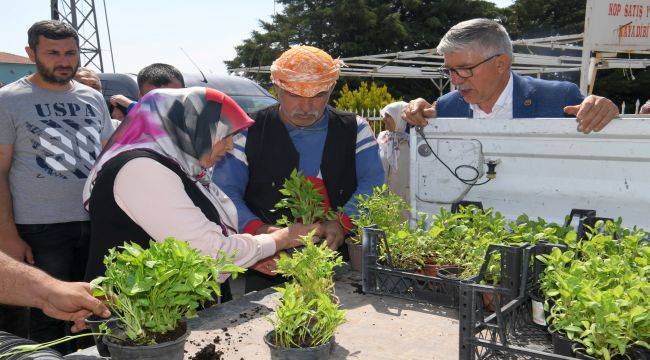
617, 25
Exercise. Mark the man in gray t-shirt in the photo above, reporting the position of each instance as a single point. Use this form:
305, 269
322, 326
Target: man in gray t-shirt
56, 137
51, 132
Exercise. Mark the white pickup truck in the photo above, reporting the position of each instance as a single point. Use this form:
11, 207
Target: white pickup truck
544, 167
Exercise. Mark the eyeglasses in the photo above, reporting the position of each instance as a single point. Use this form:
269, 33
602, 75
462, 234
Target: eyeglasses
464, 72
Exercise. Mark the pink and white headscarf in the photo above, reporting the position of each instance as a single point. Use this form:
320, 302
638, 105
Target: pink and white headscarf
181, 125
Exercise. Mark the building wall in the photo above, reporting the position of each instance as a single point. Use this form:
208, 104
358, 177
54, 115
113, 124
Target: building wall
12, 72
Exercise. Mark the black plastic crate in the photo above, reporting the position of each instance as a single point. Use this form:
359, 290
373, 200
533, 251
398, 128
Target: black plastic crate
509, 332
382, 279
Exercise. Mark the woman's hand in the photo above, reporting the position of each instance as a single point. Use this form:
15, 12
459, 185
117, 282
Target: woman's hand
290, 237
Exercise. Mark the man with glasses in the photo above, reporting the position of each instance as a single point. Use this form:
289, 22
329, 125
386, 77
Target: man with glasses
478, 57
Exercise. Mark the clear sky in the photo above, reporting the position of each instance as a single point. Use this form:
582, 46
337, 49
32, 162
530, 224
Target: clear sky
147, 31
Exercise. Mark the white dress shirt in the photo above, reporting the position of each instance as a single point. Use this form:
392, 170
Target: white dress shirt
502, 109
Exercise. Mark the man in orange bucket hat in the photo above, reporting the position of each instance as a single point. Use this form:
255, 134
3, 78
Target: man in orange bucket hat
305, 71
334, 149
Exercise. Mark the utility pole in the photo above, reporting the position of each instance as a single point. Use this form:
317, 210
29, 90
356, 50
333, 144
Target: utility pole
82, 16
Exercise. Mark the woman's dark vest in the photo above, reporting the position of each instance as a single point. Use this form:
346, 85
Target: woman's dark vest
111, 227
271, 158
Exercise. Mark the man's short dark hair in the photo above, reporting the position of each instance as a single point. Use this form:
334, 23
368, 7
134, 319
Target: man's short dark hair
51, 29
158, 75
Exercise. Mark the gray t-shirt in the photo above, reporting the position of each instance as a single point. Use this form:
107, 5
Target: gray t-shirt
56, 139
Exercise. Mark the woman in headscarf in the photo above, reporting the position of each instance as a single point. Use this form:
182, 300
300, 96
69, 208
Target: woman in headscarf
152, 181
394, 149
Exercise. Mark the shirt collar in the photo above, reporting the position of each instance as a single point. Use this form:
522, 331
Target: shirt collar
504, 99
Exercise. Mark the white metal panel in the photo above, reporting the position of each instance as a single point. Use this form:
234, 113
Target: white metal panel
546, 167
620, 26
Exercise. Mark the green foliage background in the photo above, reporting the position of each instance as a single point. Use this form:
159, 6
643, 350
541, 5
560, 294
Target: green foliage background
371, 97
347, 28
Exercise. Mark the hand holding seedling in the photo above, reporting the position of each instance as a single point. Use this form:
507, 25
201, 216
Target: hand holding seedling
290, 237
28, 286
334, 233
70, 301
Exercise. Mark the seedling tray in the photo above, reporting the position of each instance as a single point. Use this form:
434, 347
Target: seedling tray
383, 279
509, 332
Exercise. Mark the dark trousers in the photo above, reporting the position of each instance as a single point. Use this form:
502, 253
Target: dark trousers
14, 320
61, 250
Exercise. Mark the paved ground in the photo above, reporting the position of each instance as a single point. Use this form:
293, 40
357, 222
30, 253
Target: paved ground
377, 327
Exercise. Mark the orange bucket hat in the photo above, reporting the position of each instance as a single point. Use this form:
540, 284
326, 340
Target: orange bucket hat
305, 71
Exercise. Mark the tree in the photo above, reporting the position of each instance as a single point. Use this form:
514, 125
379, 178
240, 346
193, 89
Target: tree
626, 85
341, 28
365, 98
542, 18
346, 28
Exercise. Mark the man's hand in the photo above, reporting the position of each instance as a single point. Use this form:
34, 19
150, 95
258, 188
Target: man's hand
417, 110
593, 114
70, 301
18, 249
120, 100
334, 233
645, 109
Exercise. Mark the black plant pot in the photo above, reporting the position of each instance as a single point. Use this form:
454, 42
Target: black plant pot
632, 352
93, 323
321, 352
450, 272
9, 341
639, 353
562, 345
583, 356
171, 350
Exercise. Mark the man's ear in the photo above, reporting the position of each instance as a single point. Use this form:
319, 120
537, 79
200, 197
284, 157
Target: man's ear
503, 63
30, 52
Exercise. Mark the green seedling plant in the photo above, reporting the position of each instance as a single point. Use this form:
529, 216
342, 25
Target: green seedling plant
151, 290
407, 248
526, 230
600, 290
29, 348
312, 267
308, 312
446, 237
462, 239
303, 202
382, 209
493, 229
